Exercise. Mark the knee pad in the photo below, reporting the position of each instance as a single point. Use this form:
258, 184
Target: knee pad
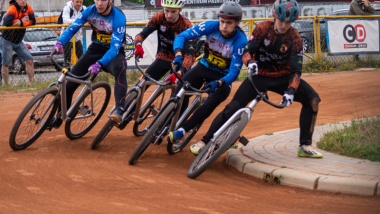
315, 100
230, 109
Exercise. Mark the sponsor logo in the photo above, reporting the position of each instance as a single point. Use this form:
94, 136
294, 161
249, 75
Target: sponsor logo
352, 33
93, 21
101, 22
362, 45
163, 28
120, 30
220, 45
240, 51
266, 42
283, 48
129, 47
212, 40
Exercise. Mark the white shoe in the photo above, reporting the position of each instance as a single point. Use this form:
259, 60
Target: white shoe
197, 148
308, 151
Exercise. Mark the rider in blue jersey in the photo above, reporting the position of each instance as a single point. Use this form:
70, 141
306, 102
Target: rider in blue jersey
105, 52
219, 66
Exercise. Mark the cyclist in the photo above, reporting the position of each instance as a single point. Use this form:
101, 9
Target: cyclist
105, 52
219, 66
277, 49
168, 23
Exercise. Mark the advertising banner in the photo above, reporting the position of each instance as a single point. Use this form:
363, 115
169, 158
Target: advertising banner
197, 3
352, 36
149, 45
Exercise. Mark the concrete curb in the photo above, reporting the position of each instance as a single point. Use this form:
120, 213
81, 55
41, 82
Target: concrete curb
299, 178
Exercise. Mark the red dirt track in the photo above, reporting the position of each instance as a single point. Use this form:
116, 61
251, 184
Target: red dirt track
56, 175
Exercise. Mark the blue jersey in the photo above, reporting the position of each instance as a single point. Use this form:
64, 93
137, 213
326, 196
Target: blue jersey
221, 54
108, 31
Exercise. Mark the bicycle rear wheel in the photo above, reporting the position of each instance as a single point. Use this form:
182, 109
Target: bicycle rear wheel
110, 123
215, 148
174, 148
81, 120
34, 119
152, 132
139, 128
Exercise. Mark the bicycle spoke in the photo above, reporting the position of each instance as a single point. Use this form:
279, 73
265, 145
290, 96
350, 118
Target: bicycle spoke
83, 119
35, 119
217, 143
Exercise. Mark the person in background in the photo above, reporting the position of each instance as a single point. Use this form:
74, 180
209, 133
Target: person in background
72, 11
361, 7
19, 13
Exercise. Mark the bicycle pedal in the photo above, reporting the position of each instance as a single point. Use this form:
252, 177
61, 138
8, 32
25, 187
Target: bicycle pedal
243, 140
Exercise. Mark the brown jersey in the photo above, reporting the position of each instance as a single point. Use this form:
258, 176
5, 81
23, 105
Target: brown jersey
276, 54
166, 33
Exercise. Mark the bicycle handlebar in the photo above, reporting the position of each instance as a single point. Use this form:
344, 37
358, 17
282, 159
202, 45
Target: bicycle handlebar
250, 74
66, 71
148, 76
187, 85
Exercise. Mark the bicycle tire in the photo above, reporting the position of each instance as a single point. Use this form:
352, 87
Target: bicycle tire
148, 138
174, 148
110, 123
212, 151
139, 128
40, 100
84, 124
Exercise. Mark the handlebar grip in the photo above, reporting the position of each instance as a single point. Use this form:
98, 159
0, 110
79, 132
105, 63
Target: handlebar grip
175, 68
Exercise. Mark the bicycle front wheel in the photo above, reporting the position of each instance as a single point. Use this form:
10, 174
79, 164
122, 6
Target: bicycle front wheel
83, 118
151, 134
216, 147
110, 123
147, 116
34, 119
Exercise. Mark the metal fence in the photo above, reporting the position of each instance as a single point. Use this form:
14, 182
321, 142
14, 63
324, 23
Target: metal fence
40, 39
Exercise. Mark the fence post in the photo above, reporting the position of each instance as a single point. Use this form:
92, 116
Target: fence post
74, 52
318, 45
250, 27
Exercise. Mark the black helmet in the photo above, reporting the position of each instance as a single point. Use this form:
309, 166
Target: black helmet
230, 10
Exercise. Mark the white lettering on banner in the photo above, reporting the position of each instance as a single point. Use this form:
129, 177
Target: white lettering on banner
352, 36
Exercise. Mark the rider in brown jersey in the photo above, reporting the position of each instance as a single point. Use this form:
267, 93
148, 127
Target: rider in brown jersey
168, 24
275, 48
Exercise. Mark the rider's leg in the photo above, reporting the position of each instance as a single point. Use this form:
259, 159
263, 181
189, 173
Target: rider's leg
205, 110
196, 77
118, 68
242, 97
309, 99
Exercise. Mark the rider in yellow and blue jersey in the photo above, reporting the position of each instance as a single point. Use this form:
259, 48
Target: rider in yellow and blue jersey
105, 52
219, 66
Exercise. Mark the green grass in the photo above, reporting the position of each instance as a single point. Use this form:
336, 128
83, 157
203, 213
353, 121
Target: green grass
360, 140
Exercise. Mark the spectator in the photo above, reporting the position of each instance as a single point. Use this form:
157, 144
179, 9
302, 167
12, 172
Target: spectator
71, 11
361, 7
21, 14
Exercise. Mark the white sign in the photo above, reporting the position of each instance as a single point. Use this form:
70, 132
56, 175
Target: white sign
353, 36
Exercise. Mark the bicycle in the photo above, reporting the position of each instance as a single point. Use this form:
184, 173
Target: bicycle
228, 133
83, 114
167, 120
133, 103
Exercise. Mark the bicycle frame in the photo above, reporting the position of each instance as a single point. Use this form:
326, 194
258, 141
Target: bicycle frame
248, 110
61, 83
139, 88
62, 89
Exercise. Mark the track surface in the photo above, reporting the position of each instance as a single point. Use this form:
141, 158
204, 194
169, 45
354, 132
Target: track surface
56, 175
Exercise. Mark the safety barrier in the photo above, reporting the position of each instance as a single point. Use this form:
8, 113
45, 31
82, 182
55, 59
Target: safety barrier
40, 39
